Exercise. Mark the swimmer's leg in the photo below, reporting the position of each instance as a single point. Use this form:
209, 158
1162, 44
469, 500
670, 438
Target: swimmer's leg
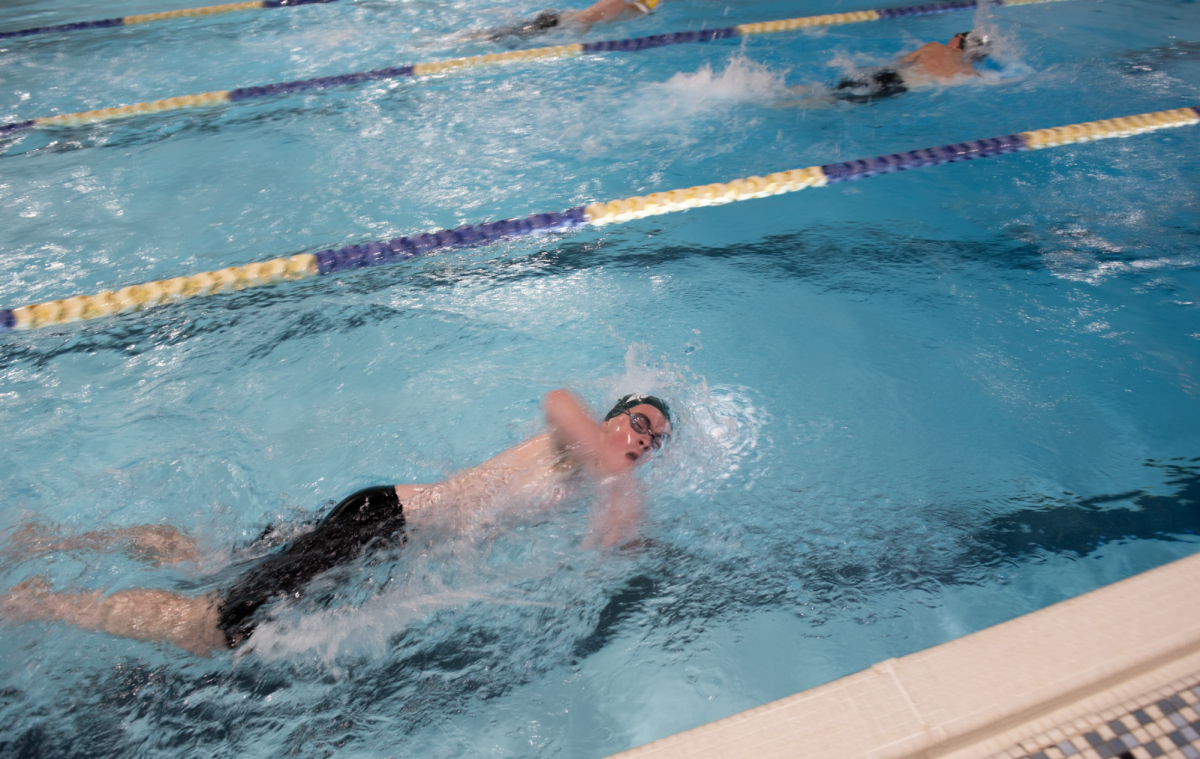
156, 543
189, 622
807, 96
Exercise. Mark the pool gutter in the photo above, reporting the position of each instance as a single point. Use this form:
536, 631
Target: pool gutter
1022, 687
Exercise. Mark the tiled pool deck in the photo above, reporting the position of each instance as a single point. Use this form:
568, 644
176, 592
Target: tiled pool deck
1112, 673
1163, 723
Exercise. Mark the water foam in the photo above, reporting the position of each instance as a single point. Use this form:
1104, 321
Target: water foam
742, 82
715, 429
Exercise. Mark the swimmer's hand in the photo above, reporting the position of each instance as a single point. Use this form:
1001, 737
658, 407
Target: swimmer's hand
619, 504
614, 520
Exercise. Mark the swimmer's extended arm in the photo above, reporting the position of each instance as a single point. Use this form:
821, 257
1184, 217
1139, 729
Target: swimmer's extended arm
614, 519
572, 427
601, 11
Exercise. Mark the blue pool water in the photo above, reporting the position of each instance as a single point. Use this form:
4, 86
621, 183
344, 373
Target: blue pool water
909, 408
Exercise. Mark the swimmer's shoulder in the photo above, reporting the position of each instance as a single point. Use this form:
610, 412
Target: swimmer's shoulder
929, 48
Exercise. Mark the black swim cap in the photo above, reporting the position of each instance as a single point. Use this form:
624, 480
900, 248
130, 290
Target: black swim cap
637, 399
976, 45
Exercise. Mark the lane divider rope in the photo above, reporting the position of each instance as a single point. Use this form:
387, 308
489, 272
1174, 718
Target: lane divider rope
634, 44
143, 18
352, 257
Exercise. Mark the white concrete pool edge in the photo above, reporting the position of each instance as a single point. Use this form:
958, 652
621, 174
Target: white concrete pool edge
983, 693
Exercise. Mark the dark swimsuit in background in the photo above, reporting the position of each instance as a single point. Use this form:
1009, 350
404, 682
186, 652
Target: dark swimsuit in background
875, 86
340, 537
541, 24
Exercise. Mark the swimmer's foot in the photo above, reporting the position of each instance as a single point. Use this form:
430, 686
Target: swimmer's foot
159, 544
34, 601
32, 539
34, 586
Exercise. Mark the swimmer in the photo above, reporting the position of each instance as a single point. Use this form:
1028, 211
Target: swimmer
599, 12
932, 61
575, 445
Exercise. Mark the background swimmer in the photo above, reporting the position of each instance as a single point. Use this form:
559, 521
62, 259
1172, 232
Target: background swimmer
956, 58
932, 62
600, 12
576, 446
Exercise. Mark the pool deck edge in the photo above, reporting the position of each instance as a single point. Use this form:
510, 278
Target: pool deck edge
978, 694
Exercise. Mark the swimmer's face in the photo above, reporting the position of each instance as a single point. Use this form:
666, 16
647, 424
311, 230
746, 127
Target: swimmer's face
624, 446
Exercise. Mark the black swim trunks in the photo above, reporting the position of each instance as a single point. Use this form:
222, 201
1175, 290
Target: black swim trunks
540, 24
875, 86
374, 513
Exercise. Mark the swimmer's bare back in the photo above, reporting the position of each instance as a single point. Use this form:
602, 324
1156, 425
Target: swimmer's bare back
599, 12
607, 451
938, 61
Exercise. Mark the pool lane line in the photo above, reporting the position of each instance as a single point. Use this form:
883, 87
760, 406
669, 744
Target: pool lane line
214, 10
633, 44
143, 18
352, 257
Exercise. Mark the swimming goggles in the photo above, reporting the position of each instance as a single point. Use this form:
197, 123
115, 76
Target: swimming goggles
641, 425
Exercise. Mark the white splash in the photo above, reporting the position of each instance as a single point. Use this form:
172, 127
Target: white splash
716, 429
364, 631
742, 82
